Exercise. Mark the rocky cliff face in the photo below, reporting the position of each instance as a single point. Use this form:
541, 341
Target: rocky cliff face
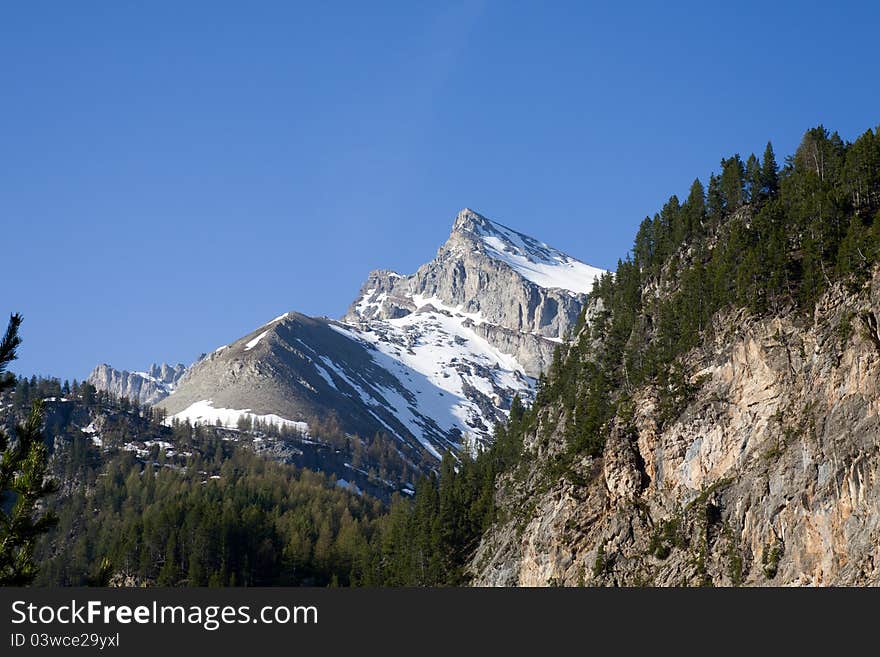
146, 387
770, 476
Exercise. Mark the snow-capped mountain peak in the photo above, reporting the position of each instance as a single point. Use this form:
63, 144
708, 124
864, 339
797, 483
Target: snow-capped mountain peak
432, 358
533, 260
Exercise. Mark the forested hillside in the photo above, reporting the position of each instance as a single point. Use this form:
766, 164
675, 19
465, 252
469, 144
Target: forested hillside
141, 503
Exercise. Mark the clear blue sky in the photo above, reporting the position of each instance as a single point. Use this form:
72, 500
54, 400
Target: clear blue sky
174, 174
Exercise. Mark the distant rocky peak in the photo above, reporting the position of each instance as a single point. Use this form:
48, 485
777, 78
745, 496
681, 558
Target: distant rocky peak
532, 259
468, 222
484, 232
511, 279
519, 294
147, 387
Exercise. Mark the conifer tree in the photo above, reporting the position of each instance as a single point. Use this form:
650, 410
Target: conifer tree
862, 173
732, 179
769, 172
23, 481
695, 208
753, 178
715, 199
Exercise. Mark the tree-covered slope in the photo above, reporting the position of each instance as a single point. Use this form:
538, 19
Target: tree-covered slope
142, 503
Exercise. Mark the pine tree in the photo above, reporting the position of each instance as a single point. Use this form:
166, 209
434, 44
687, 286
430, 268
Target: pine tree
854, 250
673, 222
862, 173
23, 479
753, 178
715, 199
769, 172
695, 208
644, 245
732, 179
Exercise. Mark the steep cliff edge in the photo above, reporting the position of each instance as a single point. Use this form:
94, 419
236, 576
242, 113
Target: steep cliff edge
770, 475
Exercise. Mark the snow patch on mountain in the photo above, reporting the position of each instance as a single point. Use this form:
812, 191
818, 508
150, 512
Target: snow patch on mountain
277, 319
443, 363
204, 412
371, 300
456, 311
535, 261
253, 343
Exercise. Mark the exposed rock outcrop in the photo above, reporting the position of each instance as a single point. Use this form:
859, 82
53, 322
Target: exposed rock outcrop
771, 475
147, 387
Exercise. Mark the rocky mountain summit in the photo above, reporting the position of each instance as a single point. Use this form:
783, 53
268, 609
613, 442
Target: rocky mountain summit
146, 387
519, 294
432, 359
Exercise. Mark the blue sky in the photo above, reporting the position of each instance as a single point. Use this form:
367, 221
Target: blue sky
174, 174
